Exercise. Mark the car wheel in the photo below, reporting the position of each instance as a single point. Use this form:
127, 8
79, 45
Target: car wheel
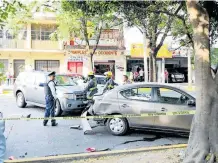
58, 110
20, 100
117, 126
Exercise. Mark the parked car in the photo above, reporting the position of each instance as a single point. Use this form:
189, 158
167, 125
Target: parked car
175, 76
139, 98
27, 90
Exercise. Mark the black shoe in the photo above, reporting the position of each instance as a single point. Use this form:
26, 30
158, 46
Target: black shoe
54, 124
45, 122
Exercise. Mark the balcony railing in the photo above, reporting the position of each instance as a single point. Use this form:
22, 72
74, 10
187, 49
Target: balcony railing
45, 45
12, 44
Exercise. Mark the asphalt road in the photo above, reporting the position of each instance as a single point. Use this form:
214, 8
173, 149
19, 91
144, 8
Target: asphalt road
30, 139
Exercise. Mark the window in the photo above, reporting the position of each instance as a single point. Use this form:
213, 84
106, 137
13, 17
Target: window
101, 80
144, 93
42, 32
170, 96
47, 65
40, 78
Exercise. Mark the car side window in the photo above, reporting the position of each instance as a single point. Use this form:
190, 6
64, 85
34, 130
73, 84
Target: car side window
143, 93
40, 78
170, 96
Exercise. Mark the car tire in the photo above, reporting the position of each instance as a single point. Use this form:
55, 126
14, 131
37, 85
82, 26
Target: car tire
20, 100
117, 126
58, 110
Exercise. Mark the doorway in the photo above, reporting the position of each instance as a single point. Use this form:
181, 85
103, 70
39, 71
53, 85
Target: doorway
75, 67
19, 66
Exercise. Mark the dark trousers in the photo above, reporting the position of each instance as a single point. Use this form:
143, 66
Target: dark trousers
50, 107
141, 78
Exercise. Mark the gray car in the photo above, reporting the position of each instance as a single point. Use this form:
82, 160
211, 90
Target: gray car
28, 89
142, 98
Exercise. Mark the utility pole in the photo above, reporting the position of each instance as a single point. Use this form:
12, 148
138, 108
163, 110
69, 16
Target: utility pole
189, 68
145, 56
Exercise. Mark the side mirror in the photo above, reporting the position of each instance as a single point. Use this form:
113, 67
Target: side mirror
191, 103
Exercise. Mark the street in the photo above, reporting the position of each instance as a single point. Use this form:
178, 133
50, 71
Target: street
27, 139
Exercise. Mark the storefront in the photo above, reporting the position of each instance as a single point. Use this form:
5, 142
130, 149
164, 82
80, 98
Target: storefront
104, 60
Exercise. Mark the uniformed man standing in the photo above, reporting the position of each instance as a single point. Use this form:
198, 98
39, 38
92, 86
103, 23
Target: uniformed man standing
110, 82
50, 99
91, 88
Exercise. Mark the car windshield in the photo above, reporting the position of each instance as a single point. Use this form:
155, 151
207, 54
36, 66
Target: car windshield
63, 80
172, 71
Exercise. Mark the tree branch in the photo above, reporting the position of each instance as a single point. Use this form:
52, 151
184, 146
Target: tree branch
167, 30
97, 40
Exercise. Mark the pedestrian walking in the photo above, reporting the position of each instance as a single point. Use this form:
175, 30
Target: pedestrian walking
166, 75
126, 80
8, 76
141, 74
50, 99
136, 75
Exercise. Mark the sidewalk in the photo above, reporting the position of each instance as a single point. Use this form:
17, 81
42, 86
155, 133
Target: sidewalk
163, 156
6, 89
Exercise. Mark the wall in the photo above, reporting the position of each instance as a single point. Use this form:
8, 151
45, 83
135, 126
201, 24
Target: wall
30, 58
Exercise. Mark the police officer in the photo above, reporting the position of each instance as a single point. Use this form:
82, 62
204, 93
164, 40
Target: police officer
110, 82
50, 98
91, 88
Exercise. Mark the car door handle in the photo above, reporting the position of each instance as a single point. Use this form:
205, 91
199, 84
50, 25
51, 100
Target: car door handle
35, 88
125, 105
163, 109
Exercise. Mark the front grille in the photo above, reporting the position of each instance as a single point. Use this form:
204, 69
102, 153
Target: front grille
80, 97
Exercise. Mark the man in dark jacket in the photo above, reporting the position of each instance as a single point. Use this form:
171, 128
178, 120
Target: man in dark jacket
91, 88
110, 82
50, 99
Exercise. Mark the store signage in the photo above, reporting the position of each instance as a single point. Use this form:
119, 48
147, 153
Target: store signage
99, 52
75, 58
137, 51
164, 52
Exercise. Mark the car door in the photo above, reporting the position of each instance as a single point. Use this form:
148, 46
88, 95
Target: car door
29, 87
170, 100
137, 101
40, 95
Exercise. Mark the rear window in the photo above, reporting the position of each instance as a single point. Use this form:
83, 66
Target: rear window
101, 80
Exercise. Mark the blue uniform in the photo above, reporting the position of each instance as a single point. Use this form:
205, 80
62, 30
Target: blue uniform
50, 98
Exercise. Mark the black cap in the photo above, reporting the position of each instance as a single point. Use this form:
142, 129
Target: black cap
52, 73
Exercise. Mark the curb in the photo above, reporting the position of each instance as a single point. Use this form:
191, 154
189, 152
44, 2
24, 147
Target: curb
73, 157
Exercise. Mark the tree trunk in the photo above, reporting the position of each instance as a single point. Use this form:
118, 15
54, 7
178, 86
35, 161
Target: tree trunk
203, 142
150, 68
154, 64
92, 63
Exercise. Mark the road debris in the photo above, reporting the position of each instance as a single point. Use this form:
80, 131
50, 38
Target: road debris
11, 158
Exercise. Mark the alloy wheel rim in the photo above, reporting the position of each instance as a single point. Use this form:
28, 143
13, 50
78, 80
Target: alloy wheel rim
20, 99
117, 125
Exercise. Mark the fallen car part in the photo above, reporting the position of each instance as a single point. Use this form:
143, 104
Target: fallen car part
85, 124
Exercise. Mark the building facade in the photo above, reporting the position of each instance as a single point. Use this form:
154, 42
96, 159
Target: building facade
32, 49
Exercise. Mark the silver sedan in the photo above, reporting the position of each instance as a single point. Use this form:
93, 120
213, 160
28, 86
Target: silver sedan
144, 98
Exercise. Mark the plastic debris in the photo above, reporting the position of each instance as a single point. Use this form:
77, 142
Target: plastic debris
11, 158
90, 149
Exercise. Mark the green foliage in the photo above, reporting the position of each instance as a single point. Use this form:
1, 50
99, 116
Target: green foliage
214, 56
2, 73
84, 19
